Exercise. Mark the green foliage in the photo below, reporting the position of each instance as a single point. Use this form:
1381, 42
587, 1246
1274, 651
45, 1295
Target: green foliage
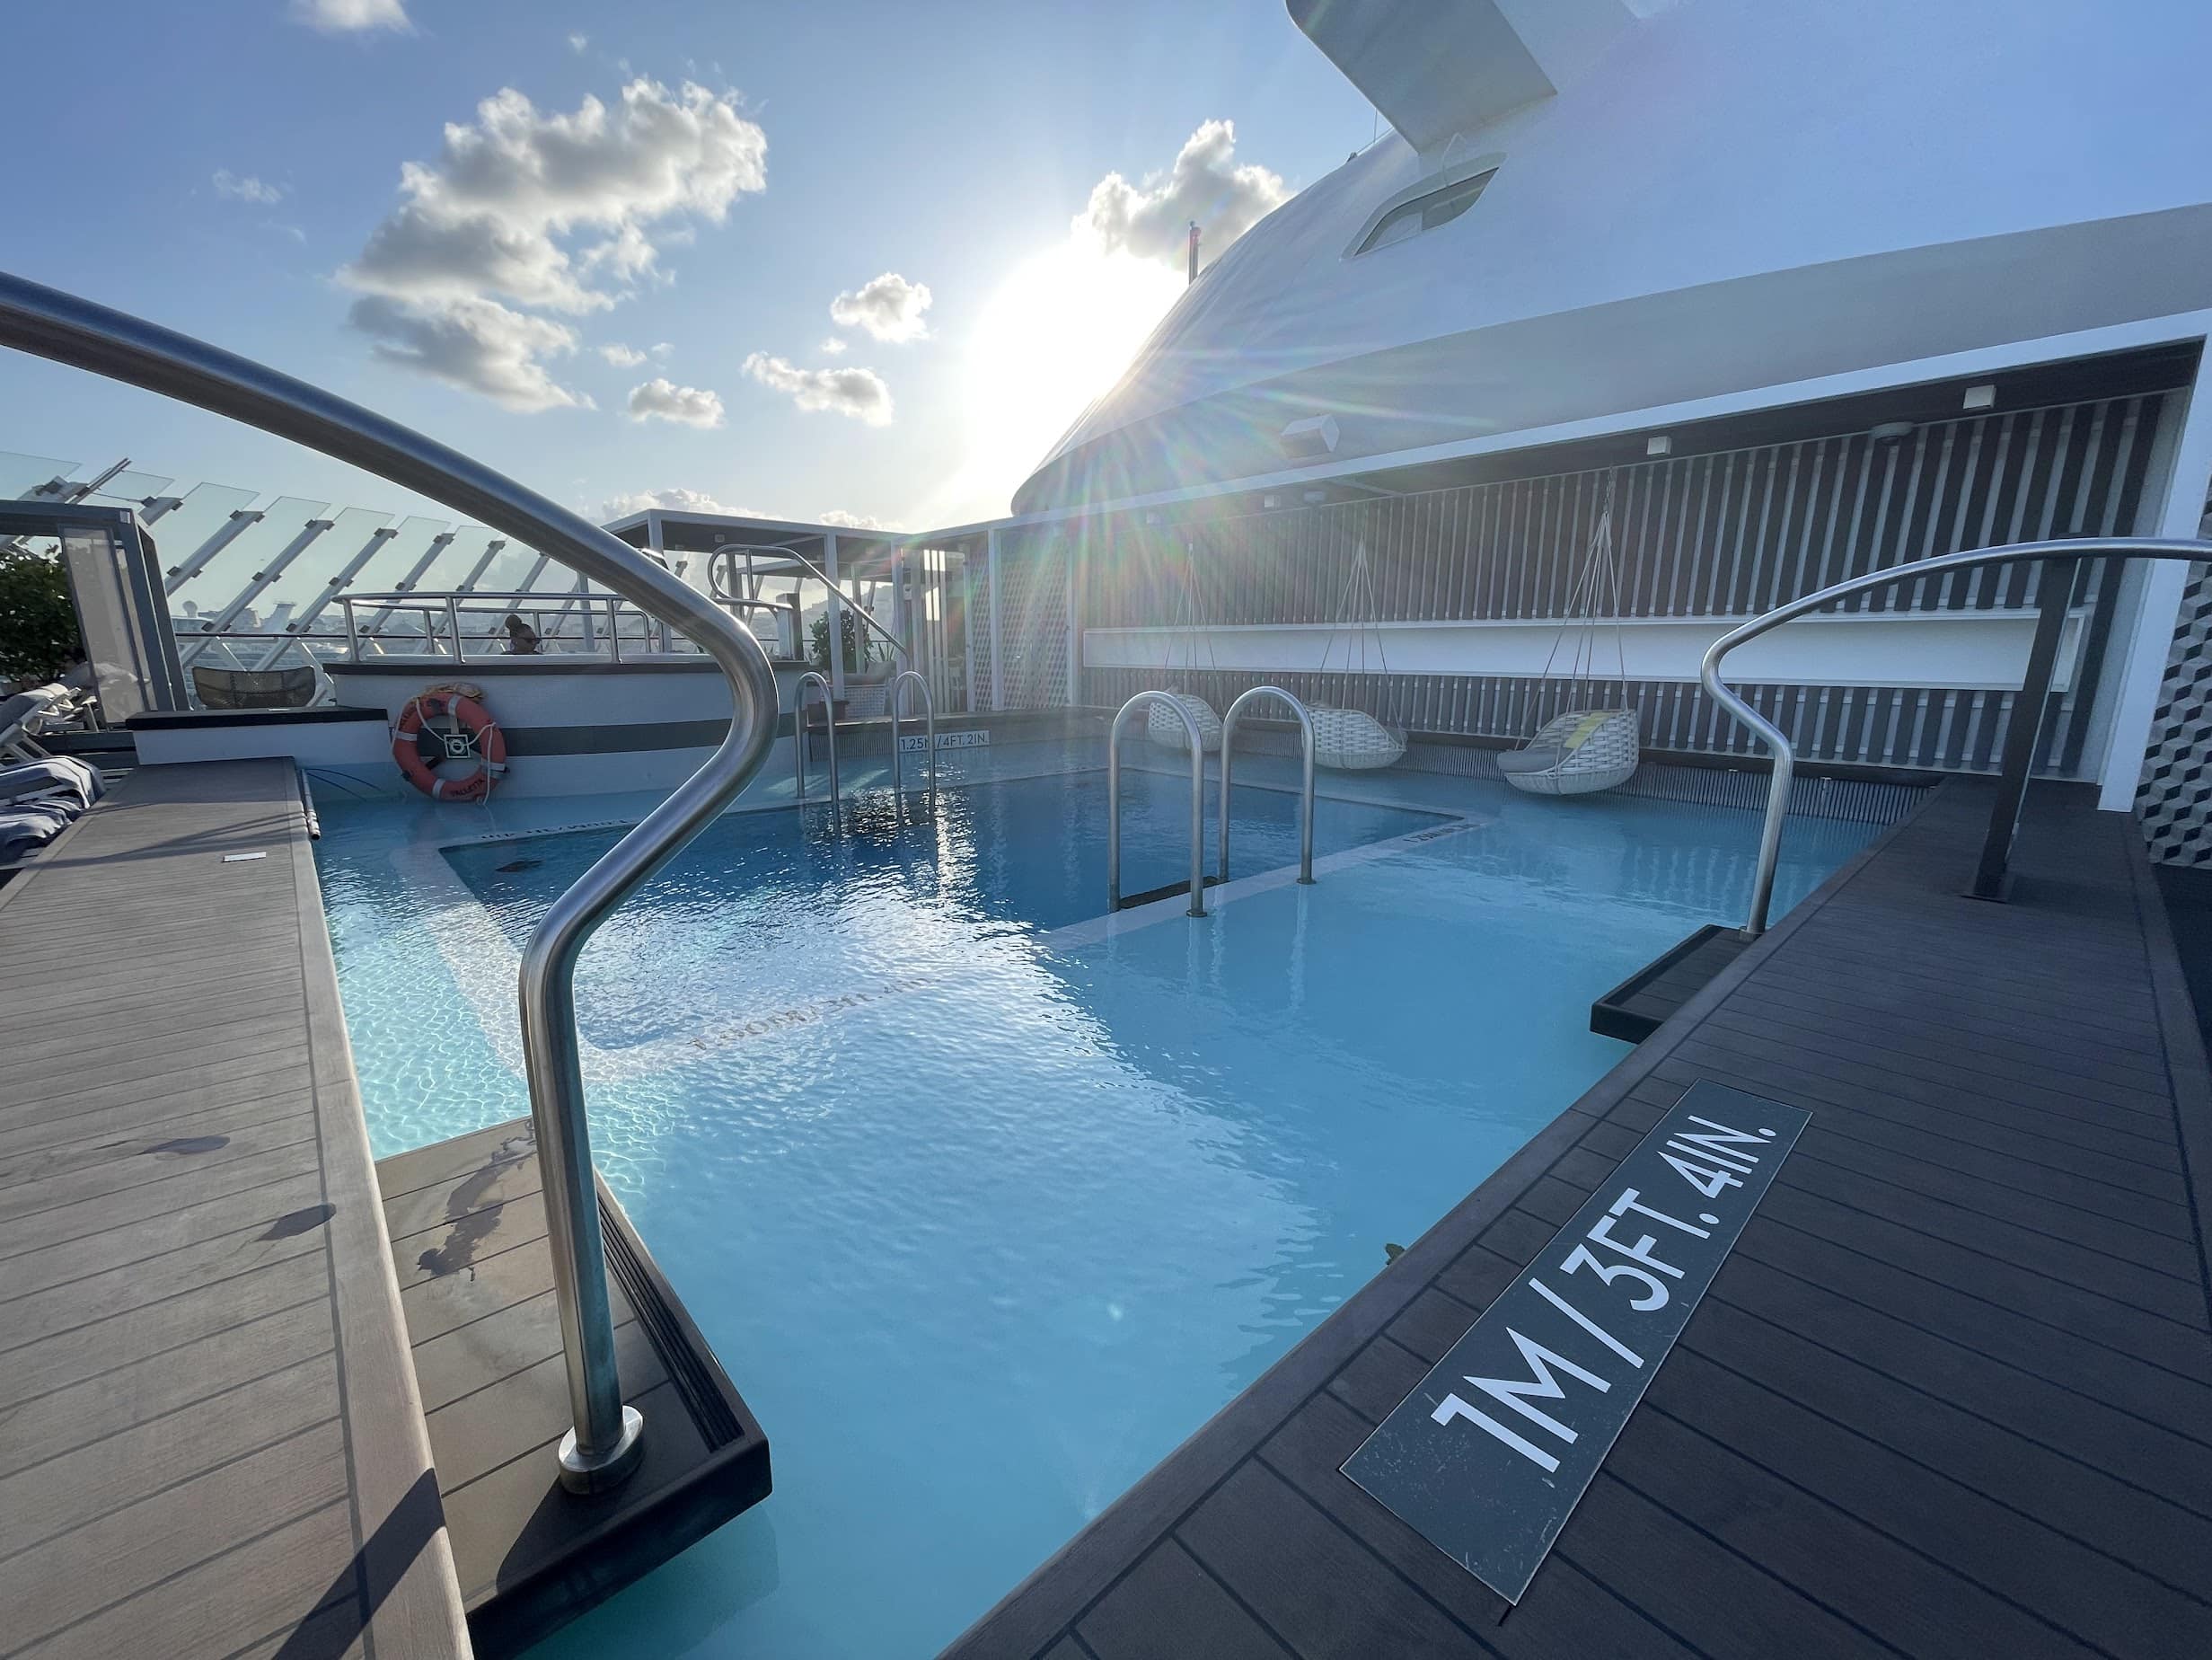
856, 647
37, 625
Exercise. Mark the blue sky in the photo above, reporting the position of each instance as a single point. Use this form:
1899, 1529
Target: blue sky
225, 168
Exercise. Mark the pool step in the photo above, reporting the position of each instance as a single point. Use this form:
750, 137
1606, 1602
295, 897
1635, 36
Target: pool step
468, 1241
1636, 1008
1166, 890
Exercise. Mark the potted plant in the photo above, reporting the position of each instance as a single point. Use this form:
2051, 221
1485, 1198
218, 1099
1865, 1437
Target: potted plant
864, 669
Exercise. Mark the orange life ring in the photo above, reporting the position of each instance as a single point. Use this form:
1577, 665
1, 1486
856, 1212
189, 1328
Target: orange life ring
420, 743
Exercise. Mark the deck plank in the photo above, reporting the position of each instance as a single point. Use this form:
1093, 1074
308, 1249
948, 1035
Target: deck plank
208, 1425
488, 1354
1947, 1396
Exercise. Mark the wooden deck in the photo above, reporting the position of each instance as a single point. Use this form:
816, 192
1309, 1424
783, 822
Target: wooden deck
1950, 1395
467, 1221
210, 1443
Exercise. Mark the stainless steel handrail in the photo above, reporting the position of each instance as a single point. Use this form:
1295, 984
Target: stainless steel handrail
607, 1440
1228, 735
799, 730
928, 715
1786, 758
730, 551
1198, 800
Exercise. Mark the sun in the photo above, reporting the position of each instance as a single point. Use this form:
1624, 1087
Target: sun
1056, 336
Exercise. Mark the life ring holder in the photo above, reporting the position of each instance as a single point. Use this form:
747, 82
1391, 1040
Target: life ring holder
419, 745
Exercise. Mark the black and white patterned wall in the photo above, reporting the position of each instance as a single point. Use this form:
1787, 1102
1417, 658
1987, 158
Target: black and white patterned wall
2175, 799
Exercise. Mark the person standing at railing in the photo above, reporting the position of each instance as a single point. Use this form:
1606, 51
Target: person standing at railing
522, 639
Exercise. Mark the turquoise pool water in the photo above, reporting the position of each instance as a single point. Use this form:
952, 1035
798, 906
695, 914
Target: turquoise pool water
985, 1208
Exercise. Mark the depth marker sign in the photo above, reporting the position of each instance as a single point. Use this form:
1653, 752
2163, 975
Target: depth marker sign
1490, 1455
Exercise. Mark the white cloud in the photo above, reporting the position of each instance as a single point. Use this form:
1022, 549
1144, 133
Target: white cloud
350, 16
661, 350
552, 211
674, 499
860, 394
246, 188
852, 521
577, 42
620, 355
626, 253
890, 308
660, 398
486, 216
1151, 220
475, 344
831, 348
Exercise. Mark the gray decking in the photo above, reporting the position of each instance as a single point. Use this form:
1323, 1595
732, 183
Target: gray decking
210, 1443
467, 1221
1951, 1396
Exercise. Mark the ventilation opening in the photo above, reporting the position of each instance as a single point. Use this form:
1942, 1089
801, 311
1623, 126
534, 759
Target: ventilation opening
1426, 211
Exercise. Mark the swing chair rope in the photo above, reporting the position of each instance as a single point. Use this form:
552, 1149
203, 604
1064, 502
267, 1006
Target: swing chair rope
1598, 581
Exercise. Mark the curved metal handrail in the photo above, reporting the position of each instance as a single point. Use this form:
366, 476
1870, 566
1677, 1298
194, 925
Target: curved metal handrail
606, 1441
928, 715
726, 553
1786, 758
1198, 800
1305, 727
813, 677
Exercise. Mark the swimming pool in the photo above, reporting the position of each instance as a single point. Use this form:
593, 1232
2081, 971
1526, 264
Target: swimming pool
985, 1205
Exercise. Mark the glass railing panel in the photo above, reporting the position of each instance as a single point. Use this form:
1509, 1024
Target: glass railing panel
303, 581
206, 597
400, 555
206, 508
21, 474
131, 488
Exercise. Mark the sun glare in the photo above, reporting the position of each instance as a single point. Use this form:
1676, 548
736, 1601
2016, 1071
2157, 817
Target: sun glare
1058, 332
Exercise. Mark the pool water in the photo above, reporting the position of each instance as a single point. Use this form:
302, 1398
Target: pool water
752, 911
985, 1206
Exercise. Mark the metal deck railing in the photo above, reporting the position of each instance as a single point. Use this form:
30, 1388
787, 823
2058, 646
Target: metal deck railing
2029, 708
606, 1441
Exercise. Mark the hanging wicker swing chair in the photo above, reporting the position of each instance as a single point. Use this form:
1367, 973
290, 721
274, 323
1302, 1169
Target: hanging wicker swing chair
1161, 722
1592, 745
1345, 738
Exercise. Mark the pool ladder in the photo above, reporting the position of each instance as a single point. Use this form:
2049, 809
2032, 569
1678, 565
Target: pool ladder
811, 680
1198, 791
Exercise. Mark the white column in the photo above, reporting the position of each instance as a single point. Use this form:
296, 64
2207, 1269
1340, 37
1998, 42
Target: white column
1075, 628
898, 599
997, 653
2151, 639
658, 546
836, 614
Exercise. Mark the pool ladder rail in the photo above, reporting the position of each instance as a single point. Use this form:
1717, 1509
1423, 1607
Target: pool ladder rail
1114, 901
